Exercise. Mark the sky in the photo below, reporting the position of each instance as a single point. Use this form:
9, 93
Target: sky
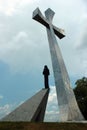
24, 50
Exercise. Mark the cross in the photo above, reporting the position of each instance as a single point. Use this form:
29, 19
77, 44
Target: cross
37, 15
59, 69
68, 107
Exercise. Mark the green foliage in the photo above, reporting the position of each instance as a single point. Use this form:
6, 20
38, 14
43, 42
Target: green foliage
81, 95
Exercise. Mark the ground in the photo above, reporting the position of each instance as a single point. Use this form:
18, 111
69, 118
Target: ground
42, 126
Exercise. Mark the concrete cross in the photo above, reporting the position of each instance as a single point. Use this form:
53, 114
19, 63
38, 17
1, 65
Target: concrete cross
37, 15
68, 107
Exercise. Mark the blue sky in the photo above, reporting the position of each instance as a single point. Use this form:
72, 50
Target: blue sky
24, 49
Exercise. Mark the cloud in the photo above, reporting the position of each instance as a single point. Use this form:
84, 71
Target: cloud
7, 108
52, 96
22, 54
4, 110
23, 41
1, 97
81, 43
21, 49
9, 7
81, 49
52, 112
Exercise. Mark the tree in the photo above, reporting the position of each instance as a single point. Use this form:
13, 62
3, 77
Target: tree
81, 95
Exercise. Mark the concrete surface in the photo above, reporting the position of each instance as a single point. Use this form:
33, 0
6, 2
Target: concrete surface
31, 110
68, 107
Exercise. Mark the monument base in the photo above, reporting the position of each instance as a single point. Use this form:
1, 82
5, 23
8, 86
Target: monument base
43, 126
31, 110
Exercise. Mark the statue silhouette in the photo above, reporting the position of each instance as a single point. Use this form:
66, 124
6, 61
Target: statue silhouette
46, 73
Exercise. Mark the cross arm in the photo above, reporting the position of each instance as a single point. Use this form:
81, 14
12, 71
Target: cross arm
37, 15
59, 32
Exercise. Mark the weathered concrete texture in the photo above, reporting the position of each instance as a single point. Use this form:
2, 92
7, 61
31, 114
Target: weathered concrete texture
67, 103
31, 110
37, 15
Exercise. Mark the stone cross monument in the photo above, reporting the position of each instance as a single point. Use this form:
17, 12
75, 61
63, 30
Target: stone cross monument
68, 107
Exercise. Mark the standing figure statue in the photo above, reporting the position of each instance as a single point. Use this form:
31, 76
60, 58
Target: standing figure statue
46, 73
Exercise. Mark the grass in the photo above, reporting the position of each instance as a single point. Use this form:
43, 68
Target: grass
42, 126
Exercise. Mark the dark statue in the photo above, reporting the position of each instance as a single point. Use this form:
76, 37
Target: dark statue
46, 73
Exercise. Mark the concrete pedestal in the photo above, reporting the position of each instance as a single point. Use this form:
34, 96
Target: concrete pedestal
31, 110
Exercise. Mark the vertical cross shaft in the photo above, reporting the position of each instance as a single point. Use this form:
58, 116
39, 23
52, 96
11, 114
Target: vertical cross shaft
68, 107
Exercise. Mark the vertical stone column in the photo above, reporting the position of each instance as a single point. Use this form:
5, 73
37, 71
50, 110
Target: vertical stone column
68, 107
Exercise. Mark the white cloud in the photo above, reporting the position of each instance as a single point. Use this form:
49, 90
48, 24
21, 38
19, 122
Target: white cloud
15, 44
52, 112
4, 110
1, 97
23, 42
52, 96
22, 54
83, 41
7, 108
8, 7
81, 49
